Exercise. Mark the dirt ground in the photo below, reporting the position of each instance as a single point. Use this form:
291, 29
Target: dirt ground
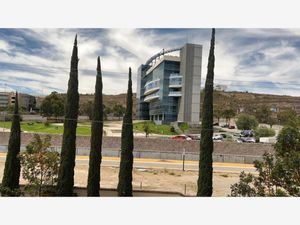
184, 182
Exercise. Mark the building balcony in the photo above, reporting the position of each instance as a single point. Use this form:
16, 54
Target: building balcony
175, 80
151, 90
151, 97
175, 84
175, 75
151, 87
175, 94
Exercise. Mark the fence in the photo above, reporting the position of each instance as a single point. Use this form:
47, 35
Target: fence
164, 155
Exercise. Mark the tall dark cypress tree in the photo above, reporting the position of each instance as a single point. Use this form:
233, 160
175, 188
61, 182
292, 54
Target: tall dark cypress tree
126, 163
12, 168
93, 186
68, 151
206, 142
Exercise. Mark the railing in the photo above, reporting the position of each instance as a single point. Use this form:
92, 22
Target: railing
175, 83
151, 86
175, 93
151, 97
173, 75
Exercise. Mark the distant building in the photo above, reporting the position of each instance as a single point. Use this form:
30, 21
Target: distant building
274, 109
168, 87
26, 101
220, 87
7, 99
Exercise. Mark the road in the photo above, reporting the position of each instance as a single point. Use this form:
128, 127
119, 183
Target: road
163, 164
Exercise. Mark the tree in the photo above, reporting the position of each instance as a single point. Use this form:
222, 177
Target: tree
12, 167
106, 111
93, 187
279, 174
246, 122
118, 110
66, 170
218, 113
228, 114
53, 105
40, 165
146, 128
288, 117
206, 142
263, 114
126, 163
87, 108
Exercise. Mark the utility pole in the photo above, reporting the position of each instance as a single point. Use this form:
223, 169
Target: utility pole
183, 159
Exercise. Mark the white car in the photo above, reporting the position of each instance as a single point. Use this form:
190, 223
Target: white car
218, 137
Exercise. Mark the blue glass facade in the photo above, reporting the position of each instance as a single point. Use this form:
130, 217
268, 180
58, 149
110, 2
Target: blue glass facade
159, 91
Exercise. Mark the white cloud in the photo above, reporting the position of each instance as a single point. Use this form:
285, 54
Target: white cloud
123, 48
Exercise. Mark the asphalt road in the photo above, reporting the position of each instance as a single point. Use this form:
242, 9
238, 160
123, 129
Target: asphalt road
163, 164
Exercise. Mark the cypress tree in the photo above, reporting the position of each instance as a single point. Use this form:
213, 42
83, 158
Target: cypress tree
68, 151
12, 168
93, 186
206, 142
126, 163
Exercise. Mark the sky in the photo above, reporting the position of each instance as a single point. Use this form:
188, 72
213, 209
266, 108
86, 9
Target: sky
37, 61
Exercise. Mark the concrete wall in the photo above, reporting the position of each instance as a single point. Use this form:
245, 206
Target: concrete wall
190, 68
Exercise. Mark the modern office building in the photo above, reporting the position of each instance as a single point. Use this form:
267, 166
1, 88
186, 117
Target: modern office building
168, 87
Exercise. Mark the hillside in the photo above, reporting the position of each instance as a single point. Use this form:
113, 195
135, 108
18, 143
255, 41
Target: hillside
242, 99
109, 100
222, 99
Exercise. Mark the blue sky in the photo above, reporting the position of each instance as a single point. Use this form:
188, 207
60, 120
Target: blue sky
37, 60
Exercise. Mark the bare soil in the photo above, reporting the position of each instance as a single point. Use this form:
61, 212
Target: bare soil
184, 182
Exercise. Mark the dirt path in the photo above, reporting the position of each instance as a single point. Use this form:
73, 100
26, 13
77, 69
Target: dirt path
155, 179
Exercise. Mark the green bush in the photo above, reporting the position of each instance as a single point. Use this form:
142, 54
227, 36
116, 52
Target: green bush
46, 124
39, 166
5, 191
264, 132
172, 129
246, 122
184, 126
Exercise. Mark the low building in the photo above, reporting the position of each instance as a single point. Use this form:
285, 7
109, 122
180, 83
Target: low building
26, 102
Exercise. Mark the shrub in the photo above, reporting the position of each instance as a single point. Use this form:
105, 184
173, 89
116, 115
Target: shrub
278, 174
264, 132
5, 191
172, 129
246, 122
39, 165
46, 124
183, 126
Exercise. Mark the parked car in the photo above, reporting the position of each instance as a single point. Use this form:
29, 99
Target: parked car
225, 125
237, 134
194, 136
218, 137
247, 133
231, 127
248, 139
216, 124
181, 137
224, 135
239, 140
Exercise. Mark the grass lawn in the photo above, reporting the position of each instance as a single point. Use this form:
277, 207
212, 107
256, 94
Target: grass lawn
155, 129
35, 127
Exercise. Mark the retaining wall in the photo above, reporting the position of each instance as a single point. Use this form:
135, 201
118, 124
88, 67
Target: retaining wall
160, 148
